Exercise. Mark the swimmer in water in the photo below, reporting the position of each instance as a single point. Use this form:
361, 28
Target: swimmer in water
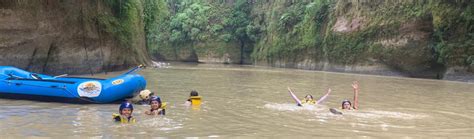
308, 99
125, 116
346, 104
156, 107
194, 99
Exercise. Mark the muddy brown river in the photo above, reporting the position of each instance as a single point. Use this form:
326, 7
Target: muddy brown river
248, 101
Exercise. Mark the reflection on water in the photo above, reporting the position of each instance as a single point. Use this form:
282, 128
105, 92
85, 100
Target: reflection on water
246, 101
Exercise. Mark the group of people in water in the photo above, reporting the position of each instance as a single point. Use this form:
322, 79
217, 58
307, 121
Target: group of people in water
156, 106
159, 108
345, 105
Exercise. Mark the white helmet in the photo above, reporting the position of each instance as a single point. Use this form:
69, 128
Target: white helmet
145, 94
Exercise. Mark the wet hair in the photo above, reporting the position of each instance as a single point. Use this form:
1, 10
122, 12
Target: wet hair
309, 96
194, 93
344, 101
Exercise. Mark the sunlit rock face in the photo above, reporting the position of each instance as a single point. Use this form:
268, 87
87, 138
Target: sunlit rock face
57, 37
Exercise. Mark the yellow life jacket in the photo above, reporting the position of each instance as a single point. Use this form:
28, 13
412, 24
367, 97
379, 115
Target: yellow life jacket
163, 105
304, 101
195, 100
121, 119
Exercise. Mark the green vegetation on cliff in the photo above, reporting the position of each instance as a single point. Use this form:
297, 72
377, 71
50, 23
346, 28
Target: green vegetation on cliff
202, 27
156, 12
123, 20
411, 36
407, 36
453, 32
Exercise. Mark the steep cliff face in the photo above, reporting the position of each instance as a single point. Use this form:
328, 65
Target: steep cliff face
409, 38
73, 37
205, 31
426, 39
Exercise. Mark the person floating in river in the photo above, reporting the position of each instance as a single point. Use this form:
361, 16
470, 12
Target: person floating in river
143, 98
156, 106
194, 99
346, 104
125, 116
308, 99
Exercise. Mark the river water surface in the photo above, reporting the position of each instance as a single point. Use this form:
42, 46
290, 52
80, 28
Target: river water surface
247, 101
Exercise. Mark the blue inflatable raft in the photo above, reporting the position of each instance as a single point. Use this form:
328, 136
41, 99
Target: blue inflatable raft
20, 84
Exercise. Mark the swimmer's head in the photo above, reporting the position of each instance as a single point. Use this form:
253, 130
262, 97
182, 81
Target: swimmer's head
194, 93
308, 97
155, 98
155, 102
346, 104
145, 94
126, 108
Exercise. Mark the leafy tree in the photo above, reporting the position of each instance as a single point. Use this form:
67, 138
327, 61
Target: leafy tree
189, 23
155, 13
240, 23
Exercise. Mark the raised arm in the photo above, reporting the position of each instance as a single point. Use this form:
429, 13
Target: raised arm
324, 97
355, 86
298, 101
